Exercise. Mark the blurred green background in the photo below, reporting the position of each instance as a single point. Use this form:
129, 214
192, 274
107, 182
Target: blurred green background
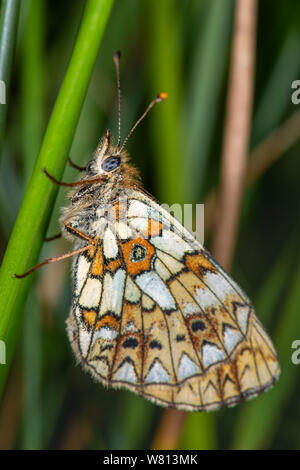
182, 47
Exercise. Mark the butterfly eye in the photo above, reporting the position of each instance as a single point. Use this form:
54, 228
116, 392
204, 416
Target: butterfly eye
89, 168
111, 163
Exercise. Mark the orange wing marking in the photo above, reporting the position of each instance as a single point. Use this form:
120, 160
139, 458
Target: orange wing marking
97, 254
137, 254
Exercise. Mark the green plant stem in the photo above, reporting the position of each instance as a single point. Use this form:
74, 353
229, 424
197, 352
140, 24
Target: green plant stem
32, 122
32, 83
27, 236
8, 34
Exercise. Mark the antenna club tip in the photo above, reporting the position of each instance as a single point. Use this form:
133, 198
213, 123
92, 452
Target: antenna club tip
162, 96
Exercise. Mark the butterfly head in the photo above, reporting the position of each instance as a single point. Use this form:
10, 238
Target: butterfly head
108, 159
109, 170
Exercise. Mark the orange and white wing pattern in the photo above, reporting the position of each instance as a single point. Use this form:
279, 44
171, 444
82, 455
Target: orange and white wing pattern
154, 313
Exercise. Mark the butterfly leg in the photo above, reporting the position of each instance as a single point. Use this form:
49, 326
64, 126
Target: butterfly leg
73, 165
79, 234
75, 232
98, 179
53, 260
59, 183
54, 237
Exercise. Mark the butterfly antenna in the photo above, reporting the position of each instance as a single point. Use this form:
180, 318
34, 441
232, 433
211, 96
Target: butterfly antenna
117, 56
161, 97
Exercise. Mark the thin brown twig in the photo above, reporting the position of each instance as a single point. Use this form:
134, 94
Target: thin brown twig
237, 130
77, 434
262, 157
169, 429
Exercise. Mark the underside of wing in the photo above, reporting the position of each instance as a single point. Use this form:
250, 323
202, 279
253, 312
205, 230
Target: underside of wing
154, 313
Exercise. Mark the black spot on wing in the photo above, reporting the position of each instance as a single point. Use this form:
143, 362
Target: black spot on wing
131, 343
155, 344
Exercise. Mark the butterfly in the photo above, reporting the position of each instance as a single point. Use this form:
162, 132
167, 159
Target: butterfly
151, 310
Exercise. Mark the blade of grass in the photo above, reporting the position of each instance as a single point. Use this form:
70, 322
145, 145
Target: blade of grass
199, 432
205, 84
255, 427
10, 197
32, 82
165, 66
279, 278
32, 121
8, 34
27, 237
273, 104
132, 411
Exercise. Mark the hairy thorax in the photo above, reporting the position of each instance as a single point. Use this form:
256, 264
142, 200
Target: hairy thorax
87, 204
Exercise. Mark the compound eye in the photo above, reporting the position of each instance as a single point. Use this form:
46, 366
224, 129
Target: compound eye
89, 168
111, 163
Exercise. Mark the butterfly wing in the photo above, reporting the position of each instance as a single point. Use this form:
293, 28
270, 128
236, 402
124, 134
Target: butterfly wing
153, 312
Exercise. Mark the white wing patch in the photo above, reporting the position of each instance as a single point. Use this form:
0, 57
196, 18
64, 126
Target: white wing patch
126, 373
137, 209
231, 338
190, 308
172, 244
173, 265
110, 245
187, 367
243, 313
84, 335
140, 224
82, 270
157, 374
152, 285
123, 230
211, 354
132, 293
105, 333
113, 291
220, 286
161, 269
91, 293
205, 297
